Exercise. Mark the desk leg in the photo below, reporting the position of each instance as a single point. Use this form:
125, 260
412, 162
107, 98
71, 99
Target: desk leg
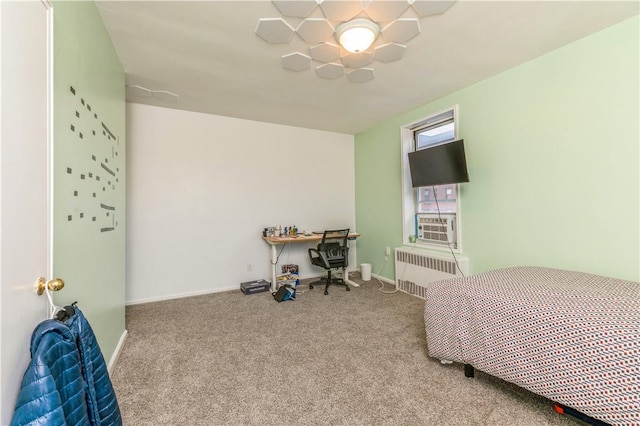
347, 280
274, 260
346, 276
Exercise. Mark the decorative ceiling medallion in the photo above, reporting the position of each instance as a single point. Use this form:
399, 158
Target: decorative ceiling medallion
380, 30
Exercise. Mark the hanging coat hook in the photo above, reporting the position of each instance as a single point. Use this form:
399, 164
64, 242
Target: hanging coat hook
42, 286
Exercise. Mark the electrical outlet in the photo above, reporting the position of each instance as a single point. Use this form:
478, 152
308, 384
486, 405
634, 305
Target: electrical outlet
387, 251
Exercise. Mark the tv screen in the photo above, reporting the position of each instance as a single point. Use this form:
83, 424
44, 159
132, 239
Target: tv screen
438, 165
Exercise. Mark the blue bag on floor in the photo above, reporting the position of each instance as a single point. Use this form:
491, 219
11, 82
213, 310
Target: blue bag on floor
286, 292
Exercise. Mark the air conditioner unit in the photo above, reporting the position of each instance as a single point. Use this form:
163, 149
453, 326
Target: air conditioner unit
434, 228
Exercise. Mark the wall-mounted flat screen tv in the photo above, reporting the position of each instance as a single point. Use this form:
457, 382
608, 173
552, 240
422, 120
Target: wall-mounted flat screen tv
439, 165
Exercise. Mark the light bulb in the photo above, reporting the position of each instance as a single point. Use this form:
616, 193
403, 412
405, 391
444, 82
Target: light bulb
357, 35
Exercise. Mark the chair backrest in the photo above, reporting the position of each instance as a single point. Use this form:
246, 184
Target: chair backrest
334, 236
334, 245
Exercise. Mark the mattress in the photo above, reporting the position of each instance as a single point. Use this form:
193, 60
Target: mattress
571, 337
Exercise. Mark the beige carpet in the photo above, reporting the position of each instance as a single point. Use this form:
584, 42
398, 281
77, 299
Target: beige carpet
349, 358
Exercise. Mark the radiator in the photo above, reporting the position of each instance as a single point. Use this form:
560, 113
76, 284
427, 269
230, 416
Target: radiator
415, 270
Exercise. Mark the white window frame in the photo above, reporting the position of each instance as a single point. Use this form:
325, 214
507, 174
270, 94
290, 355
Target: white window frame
409, 207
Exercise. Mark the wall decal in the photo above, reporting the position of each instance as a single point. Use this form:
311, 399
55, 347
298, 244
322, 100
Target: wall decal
87, 197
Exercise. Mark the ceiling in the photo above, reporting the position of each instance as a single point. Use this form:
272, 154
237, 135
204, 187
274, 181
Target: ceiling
207, 52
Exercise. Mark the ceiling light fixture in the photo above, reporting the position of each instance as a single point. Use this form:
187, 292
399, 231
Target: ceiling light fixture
345, 37
357, 35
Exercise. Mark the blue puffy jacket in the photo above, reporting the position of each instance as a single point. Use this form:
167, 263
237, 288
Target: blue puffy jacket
52, 391
66, 382
101, 398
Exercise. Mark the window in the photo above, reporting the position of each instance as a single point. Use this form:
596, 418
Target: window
446, 195
430, 213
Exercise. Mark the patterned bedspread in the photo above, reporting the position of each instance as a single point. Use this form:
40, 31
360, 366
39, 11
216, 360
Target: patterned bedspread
571, 337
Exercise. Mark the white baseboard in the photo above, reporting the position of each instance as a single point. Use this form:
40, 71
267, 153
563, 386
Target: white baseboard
231, 288
386, 280
179, 296
117, 351
196, 293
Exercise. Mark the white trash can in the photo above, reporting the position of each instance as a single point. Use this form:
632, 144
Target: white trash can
365, 271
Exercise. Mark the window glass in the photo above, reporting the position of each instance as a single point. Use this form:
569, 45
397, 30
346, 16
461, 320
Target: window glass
436, 130
433, 224
447, 199
434, 135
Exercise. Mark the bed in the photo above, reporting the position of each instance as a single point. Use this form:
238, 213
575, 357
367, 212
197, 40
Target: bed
568, 336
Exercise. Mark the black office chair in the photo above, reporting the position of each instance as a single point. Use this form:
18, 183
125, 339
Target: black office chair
332, 252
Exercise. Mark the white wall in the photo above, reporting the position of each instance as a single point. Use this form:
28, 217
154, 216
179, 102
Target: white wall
200, 189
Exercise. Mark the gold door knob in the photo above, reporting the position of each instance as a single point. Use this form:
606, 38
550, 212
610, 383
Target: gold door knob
53, 285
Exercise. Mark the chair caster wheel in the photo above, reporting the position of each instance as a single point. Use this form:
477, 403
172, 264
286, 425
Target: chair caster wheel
326, 292
348, 289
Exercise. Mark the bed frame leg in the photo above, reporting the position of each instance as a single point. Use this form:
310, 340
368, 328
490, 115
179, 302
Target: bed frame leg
468, 371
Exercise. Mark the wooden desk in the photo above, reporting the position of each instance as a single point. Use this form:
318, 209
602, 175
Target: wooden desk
274, 242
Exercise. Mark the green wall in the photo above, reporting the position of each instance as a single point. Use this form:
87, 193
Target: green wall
553, 155
89, 170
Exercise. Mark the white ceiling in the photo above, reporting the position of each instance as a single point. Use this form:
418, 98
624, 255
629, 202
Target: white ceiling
208, 54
